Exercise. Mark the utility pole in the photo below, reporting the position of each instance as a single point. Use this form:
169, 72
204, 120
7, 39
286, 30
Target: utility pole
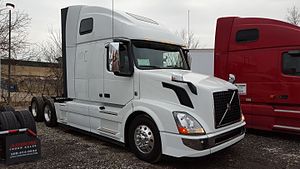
10, 6
188, 29
112, 18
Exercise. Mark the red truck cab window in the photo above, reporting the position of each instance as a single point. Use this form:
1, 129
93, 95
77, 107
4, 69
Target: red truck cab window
247, 35
291, 64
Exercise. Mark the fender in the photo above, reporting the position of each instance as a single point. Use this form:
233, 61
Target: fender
142, 109
166, 121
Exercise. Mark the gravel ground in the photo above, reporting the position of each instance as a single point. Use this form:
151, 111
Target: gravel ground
63, 148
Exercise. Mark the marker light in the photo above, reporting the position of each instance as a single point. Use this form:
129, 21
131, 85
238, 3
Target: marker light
242, 117
177, 77
187, 125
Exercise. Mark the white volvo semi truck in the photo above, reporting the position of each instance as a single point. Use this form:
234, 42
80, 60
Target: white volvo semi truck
126, 78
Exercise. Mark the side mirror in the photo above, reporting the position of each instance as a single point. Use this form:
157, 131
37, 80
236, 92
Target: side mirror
118, 59
231, 78
114, 57
188, 57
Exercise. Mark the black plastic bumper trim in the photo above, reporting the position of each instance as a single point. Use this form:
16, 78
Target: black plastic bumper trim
203, 144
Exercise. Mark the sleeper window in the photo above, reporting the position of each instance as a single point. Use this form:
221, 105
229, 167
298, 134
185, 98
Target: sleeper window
247, 35
86, 26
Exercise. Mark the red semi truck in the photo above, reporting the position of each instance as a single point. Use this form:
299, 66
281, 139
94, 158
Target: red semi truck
264, 57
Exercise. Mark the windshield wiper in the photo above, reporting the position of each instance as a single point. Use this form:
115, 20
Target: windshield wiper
150, 66
174, 67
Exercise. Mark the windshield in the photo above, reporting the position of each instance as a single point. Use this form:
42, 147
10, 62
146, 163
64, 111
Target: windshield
153, 55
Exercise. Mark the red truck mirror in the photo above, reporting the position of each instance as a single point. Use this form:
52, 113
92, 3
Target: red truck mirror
231, 78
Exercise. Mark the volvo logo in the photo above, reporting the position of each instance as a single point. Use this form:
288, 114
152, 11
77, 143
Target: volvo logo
228, 106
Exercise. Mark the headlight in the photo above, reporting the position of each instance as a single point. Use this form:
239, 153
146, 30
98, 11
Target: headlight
187, 125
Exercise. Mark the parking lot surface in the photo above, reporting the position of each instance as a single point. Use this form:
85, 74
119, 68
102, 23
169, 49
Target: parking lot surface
64, 148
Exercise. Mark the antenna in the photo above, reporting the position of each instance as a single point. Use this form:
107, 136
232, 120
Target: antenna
188, 28
112, 18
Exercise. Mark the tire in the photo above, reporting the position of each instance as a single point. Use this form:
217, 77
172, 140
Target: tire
6, 108
8, 121
50, 118
26, 120
46, 98
144, 125
37, 105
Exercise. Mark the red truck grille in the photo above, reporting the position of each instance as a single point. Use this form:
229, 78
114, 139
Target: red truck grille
227, 108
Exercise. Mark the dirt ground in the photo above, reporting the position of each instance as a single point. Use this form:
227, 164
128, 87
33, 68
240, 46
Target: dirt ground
63, 148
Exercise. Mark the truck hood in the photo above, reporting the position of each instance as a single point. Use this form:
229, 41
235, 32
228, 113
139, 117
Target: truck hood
203, 102
199, 80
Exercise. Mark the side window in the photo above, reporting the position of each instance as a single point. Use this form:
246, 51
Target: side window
86, 26
291, 64
124, 59
247, 35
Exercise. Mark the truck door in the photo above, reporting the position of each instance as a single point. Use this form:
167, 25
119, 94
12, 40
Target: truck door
287, 107
117, 92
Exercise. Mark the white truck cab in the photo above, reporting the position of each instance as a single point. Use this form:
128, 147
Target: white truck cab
127, 79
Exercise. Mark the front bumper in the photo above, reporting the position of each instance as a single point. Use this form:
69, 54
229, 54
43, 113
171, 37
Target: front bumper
196, 146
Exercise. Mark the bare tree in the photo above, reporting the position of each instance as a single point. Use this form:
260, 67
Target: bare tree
293, 15
51, 51
190, 39
20, 22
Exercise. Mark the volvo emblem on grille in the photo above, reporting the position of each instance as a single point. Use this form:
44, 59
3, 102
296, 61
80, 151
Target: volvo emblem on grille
228, 108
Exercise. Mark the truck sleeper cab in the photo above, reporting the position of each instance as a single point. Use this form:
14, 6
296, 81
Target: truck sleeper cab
264, 56
132, 84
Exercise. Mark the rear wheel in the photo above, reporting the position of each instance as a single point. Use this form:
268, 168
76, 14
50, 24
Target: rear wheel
37, 105
49, 113
8, 121
26, 120
144, 139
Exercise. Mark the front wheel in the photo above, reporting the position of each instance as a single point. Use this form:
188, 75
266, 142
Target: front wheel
144, 139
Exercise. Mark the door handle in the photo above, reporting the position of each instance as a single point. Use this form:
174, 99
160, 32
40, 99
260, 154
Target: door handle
101, 107
279, 96
283, 97
106, 95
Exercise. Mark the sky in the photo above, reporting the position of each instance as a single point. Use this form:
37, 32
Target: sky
45, 14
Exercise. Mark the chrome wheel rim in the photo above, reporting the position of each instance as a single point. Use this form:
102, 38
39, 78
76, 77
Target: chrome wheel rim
144, 139
33, 109
47, 113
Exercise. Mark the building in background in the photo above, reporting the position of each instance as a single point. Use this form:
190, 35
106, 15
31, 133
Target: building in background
30, 78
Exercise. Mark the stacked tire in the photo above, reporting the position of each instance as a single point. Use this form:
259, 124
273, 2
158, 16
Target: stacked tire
11, 119
26, 120
42, 109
